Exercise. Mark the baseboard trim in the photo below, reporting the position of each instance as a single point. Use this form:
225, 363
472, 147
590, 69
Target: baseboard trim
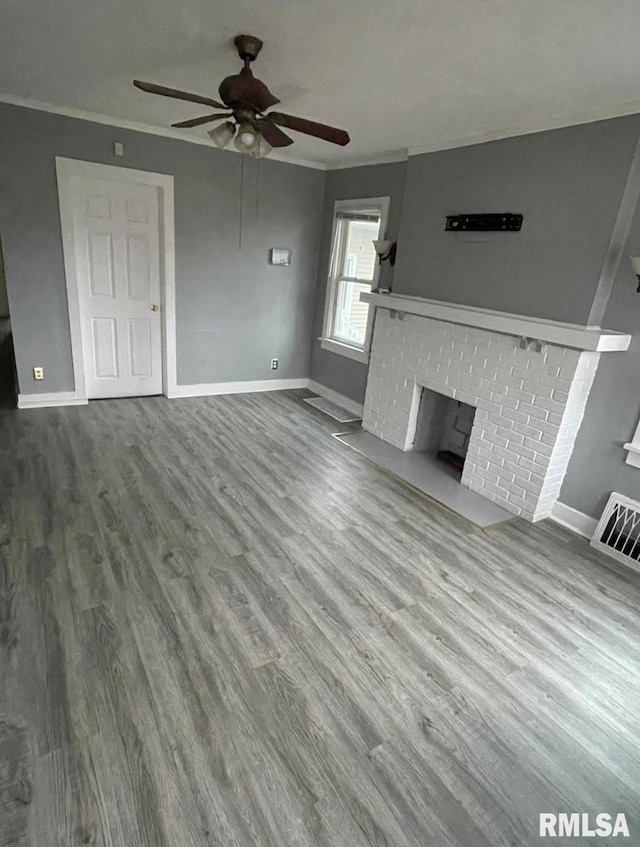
208, 389
572, 519
44, 401
337, 398
70, 398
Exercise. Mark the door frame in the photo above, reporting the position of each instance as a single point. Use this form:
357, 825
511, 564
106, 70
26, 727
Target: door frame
66, 170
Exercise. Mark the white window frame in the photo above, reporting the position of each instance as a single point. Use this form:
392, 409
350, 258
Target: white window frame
351, 351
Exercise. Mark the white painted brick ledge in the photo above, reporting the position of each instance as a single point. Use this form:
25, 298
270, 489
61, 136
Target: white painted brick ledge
504, 323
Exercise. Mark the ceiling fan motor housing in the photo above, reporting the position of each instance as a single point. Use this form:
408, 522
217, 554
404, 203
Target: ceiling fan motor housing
245, 91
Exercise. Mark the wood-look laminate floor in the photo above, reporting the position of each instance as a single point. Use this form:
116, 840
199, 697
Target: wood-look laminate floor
220, 626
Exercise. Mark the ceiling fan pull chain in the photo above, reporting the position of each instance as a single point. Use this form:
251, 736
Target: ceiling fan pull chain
257, 188
241, 201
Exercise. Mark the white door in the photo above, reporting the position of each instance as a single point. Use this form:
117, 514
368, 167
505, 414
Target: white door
117, 253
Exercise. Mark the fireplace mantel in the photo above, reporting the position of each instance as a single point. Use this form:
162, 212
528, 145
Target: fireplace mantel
574, 336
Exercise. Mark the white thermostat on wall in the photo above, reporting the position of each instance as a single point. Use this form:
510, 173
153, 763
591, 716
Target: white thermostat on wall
280, 256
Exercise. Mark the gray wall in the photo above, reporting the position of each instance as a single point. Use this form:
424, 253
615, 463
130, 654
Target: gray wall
597, 466
234, 311
567, 183
334, 371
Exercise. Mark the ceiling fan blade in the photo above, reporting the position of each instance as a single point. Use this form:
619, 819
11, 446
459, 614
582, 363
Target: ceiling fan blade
152, 88
204, 120
273, 134
326, 133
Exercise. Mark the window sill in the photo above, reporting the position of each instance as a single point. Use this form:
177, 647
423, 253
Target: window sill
355, 353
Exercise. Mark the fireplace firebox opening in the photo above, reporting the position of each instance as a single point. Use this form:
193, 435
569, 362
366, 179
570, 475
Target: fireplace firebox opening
443, 428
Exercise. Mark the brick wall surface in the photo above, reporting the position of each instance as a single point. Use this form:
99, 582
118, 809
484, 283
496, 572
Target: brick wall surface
529, 403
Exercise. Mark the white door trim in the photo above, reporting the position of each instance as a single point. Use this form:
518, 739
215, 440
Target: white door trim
66, 169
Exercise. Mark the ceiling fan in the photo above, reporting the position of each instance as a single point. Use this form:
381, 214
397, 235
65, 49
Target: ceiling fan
255, 131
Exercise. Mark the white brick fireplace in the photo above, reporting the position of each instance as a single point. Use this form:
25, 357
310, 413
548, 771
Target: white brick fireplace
529, 381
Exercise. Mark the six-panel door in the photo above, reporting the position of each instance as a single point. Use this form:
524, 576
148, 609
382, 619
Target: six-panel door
117, 244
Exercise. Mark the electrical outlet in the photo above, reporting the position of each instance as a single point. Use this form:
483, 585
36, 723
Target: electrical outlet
38, 373
274, 364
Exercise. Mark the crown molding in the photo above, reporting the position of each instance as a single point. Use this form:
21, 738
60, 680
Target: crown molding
559, 122
150, 129
383, 159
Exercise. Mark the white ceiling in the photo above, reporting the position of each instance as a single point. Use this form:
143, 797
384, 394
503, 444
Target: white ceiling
416, 74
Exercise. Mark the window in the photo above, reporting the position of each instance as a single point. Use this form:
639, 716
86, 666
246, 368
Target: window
353, 268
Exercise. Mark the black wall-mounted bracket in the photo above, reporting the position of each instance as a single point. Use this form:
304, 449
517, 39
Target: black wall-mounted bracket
502, 222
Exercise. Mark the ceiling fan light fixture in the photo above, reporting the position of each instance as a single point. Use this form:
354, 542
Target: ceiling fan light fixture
246, 138
262, 148
248, 99
222, 134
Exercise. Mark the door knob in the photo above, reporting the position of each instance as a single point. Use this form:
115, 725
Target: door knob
154, 308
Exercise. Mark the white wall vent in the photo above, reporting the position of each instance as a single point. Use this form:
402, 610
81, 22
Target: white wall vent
618, 530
